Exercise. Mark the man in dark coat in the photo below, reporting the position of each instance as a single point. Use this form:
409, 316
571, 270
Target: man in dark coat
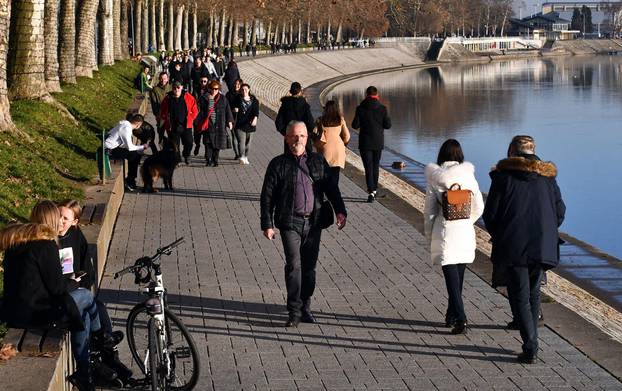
371, 119
177, 114
523, 211
214, 122
294, 107
198, 71
231, 74
291, 200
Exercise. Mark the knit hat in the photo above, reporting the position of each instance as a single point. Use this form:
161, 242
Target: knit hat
522, 145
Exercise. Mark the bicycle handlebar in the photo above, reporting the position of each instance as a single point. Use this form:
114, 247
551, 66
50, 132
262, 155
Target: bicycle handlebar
140, 262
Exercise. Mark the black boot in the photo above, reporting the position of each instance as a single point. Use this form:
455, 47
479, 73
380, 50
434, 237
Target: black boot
83, 382
101, 340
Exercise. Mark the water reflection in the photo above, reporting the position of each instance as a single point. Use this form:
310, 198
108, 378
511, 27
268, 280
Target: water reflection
571, 105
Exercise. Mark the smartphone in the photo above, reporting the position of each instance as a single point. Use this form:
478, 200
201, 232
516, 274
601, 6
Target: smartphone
80, 274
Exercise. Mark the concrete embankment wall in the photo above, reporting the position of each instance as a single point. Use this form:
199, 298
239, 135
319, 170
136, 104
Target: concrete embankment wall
588, 46
270, 78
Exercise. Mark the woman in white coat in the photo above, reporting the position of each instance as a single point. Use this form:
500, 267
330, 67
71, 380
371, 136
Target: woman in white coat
452, 242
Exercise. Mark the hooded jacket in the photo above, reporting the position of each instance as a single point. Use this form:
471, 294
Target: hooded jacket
452, 242
372, 119
523, 211
35, 292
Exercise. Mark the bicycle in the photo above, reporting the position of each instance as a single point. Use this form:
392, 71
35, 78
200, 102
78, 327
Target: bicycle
169, 360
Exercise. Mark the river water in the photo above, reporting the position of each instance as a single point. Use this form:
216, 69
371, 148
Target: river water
572, 106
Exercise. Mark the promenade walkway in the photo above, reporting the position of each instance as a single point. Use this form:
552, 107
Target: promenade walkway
379, 303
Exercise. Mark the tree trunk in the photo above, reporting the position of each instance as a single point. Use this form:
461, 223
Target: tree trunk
319, 32
26, 59
195, 26
291, 31
299, 30
67, 38
223, 18
328, 30
161, 25
268, 33
236, 33
178, 26
283, 33
339, 37
124, 29
145, 27
276, 34
52, 81
210, 29
152, 26
215, 29
86, 62
308, 38
230, 37
186, 44
138, 26
254, 32
245, 38
170, 45
105, 32
5, 106
116, 26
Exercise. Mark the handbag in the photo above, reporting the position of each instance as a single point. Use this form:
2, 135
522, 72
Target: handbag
327, 214
456, 203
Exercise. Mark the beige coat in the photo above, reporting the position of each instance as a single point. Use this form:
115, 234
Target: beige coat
332, 143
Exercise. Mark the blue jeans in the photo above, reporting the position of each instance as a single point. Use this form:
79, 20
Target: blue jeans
90, 317
454, 278
524, 293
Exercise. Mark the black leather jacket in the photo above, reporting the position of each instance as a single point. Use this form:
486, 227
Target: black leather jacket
277, 194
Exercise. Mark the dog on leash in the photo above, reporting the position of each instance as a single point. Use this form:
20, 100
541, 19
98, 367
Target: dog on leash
161, 164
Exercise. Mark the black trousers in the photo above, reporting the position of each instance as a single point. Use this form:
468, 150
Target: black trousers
454, 278
133, 161
333, 173
302, 247
183, 137
371, 163
524, 293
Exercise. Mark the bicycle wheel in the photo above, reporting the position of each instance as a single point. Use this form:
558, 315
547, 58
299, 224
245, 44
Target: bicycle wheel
182, 350
183, 355
157, 371
137, 334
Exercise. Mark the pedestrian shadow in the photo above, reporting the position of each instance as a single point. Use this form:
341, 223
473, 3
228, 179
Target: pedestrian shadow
208, 194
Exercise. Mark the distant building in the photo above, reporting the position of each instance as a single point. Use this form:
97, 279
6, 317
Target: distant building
542, 26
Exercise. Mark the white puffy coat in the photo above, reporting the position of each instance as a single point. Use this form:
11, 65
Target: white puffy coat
453, 241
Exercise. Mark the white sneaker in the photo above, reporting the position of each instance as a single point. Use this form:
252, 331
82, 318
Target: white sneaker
241, 160
246, 160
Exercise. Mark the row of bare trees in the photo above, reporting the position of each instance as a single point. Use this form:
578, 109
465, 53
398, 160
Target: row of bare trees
44, 43
448, 17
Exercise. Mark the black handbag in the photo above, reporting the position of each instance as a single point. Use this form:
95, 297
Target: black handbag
327, 214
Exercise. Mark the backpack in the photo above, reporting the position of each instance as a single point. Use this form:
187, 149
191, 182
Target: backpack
456, 203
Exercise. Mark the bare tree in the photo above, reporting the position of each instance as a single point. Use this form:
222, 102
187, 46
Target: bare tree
117, 45
6, 123
52, 81
106, 33
223, 18
171, 26
178, 26
152, 25
86, 62
124, 28
67, 56
26, 59
186, 25
161, 45
138, 26
144, 33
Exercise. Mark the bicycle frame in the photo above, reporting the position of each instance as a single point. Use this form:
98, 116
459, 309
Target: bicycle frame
155, 290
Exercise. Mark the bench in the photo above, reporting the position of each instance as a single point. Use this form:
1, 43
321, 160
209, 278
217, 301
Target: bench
46, 354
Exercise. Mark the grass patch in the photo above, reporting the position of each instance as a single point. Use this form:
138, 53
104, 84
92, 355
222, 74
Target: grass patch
60, 160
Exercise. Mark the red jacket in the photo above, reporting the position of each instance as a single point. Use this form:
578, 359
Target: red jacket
191, 108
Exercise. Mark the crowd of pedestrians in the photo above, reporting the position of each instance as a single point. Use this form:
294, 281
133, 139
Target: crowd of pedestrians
48, 272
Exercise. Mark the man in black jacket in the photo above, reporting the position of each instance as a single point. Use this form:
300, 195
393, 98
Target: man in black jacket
293, 189
523, 211
372, 119
294, 107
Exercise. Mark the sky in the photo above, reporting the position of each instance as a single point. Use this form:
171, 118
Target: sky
527, 6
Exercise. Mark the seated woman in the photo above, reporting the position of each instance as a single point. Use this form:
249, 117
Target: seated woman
37, 295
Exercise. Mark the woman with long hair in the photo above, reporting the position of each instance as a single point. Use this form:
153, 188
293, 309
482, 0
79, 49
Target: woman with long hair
452, 240
246, 113
331, 136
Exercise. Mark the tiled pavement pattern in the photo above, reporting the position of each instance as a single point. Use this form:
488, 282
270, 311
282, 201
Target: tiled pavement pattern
379, 302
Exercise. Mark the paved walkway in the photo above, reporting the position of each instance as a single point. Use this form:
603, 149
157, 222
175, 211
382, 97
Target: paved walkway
379, 303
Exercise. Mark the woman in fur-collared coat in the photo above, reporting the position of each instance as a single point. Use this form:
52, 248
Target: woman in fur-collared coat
452, 242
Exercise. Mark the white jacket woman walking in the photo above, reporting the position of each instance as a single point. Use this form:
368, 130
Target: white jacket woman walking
452, 241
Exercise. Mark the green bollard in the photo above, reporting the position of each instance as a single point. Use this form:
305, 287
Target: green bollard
103, 161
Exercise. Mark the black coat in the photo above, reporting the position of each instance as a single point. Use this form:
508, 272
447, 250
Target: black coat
277, 193
523, 211
371, 119
231, 75
35, 292
294, 108
217, 134
197, 74
243, 118
82, 260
